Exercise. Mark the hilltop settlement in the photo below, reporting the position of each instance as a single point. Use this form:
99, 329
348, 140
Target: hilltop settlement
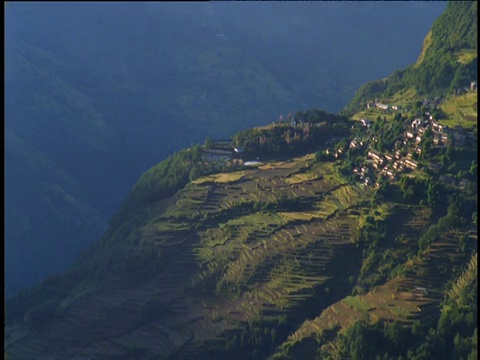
414, 142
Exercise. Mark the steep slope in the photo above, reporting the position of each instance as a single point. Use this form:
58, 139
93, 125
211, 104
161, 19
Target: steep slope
189, 267
305, 40
448, 61
181, 276
35, 182
290, 258
403, 300
232, 264
105, 91
102, 118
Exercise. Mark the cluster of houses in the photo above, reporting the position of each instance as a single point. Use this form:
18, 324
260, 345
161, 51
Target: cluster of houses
381, 106
388, 165
402, 160
442, 135
293, 122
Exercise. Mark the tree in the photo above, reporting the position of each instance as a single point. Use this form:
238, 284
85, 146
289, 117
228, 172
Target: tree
427, 142
417, 329
209, 143
438, 114
417, 107
433, 193
463, 243
449, 153
196, 151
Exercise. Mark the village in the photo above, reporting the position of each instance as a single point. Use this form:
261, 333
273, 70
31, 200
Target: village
403, 158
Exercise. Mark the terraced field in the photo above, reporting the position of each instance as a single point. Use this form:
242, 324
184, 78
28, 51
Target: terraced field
230, 248
242, 246
414, 296
461, 110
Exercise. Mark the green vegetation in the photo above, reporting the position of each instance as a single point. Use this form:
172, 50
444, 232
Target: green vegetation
438, 70
283, 139
460, 110
299, 257
169, 176
453, 336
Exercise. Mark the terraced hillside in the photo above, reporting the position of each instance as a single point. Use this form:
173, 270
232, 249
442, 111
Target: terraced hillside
235, 250
295, 259
413, 296
265, 241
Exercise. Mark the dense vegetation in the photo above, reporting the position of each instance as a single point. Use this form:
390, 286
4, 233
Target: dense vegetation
454, 336
448, 61
308, 132
169, 176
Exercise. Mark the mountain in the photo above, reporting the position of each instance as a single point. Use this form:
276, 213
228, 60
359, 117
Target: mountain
233, 263
101, 115
98, 93
447, 63
315, 237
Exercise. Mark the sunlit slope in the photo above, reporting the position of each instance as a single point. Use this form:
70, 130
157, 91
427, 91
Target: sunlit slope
448, 61
415, 295
224, 250
461, 110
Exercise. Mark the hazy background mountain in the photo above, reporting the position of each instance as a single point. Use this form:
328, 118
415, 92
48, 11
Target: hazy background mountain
96, 93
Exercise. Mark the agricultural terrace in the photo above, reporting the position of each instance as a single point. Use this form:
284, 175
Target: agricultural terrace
266, 262
414, 296
461, 110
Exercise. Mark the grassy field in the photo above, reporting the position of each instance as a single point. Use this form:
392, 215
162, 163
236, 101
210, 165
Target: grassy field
461, 110
357, 303
466, 56
300, 178
402, 99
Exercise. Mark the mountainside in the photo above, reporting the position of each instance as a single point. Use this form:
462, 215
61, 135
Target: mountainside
447, 63
55, 198
231, 265
315, 237
305, 39
103, 118
102, 92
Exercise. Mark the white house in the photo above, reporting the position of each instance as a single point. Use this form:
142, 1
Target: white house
382, 106
365, 122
